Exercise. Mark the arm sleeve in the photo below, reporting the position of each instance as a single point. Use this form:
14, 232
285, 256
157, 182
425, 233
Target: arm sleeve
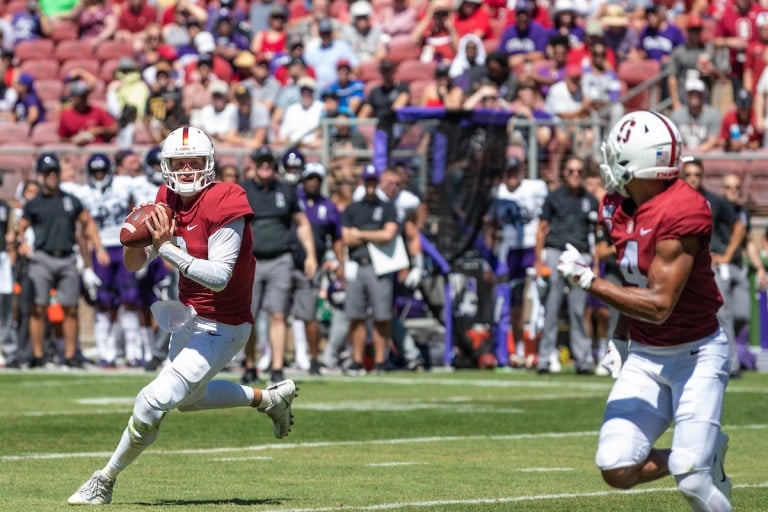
223, 249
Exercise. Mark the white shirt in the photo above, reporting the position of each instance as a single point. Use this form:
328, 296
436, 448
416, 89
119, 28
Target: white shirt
143, 190
560, 101
108, 207
405, 201
529, 197
299, 124
217, 123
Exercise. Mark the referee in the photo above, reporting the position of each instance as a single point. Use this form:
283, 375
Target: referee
54, 215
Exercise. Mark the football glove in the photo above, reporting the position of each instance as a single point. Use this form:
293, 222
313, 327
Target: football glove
574, 268
91, 283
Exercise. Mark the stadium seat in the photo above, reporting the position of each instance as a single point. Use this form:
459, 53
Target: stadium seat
490, 45
33, 49
412, 70
14, 6
72, 50
403, 49
369, 71
114, 50
497, 27
14, 134
381, 5
45, 133
633, 73
49, 90
756, 187
142, 135
41, 69
107, 70
64, 30
89, 65
416, 88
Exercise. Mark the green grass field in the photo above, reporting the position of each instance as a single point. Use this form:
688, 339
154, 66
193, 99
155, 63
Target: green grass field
465, 441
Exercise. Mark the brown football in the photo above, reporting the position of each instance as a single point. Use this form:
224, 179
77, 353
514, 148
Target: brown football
134, 232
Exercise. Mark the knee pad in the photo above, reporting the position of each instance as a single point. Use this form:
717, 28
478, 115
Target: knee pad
682, 462
158, 397
142, 434
618, 447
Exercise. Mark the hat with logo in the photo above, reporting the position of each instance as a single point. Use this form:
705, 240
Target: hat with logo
360, 9
370, 173
695, 85
744, 99
314, 169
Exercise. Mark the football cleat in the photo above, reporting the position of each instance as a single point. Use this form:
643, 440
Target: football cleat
721, 480
281, 396
96, 491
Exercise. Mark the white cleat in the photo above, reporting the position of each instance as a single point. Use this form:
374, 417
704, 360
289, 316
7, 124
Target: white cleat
96, 491
281, 396
721, 480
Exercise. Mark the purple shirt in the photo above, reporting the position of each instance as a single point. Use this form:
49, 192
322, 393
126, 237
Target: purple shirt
325, 219
23, 104
535, 40
660, 43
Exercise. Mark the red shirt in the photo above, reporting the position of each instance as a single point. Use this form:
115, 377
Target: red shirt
214, 207
581, 57
72, 122
748, 130
733, 24
676, 212
479, 21
756, 61
136, 22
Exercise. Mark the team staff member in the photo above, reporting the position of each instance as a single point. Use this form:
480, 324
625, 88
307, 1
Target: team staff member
275, 209
54, 215
368, 220
568, 215
728, 233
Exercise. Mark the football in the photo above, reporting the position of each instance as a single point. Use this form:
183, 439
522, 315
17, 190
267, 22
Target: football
134, 232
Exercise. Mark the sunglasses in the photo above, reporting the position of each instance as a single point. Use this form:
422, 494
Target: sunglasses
693, 174
574, 170
598, 55
732, 187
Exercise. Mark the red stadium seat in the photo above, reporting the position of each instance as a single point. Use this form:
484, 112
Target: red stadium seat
64, 30
14, 134
633, 73
412, 70
14, 6
403, 49
45, 133
114, 50
369, 71
89, 65
490, 45
33, 49
107, 70
41, 69
49, 90
142, 135
71, 50
416, 89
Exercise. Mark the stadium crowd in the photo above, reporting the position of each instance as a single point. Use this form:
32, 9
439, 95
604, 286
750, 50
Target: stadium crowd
117, 76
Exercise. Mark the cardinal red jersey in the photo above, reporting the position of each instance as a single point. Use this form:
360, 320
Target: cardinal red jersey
677, 212
214, 207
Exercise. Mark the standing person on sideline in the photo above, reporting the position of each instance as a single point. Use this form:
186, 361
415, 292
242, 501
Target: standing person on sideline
728, 234
677, 368
53, 215
275, 209
568, 215
368, 220
209, 242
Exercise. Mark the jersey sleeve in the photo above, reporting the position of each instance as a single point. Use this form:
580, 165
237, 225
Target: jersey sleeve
231, 204
688, 215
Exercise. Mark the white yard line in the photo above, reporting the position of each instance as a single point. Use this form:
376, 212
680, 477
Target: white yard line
544, 470
497, 501
238, 459
395, 464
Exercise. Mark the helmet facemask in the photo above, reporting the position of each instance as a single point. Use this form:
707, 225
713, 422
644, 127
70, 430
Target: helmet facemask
614, 175
173, 175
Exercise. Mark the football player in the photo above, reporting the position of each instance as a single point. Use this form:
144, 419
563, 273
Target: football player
678, 363
209, 241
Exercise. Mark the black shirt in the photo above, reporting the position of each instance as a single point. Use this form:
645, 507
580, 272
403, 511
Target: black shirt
381, 99
367, 215
54, 220
273, 207
723, 219
571, 218
5, 217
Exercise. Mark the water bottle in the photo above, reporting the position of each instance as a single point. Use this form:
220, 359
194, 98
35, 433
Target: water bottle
735, 132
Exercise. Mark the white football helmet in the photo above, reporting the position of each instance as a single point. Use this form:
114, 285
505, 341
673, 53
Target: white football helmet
643, 145
186, 142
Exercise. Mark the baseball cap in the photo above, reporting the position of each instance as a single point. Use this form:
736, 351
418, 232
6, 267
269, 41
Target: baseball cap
79, 88
314, 169
573, 71
743, 99
204, 42
523, 6
614, 16
167, 52
244, 59
294, 41
205, 58
278, 11
343, 63
127, 64
360, 9
327, 94
513, 162
263, 154
242, 91
26, 79
694, 22
306, 82
386, 65
219, 87
594, 28
324, 26
297, 60
695, 85
370, 173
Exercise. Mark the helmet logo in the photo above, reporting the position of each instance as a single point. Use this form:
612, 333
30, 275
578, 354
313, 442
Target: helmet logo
625, 130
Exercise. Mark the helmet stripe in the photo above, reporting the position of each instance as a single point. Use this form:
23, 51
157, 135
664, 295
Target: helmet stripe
673, 153
185, 137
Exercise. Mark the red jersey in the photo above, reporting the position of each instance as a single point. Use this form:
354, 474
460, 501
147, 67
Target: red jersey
135, 22
734, 24
71, 122
730, 125
756, 55
214, 207
678, 211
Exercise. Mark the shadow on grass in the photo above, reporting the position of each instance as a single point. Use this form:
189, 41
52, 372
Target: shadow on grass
240, 502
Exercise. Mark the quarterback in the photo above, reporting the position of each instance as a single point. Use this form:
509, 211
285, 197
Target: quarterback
208, 241
677, 367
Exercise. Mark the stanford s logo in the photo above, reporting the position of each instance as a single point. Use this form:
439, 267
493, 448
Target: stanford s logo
625, 130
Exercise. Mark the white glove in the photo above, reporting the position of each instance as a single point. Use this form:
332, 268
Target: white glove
91, 282
413, 278
574, 268
141, 273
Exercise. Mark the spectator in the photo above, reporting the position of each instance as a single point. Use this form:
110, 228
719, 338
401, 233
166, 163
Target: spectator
28, 109
271, 41
398, 20
659, 38
283, 63
55, 216
206, 45
601, 84
276, 209
263, 87
472, 18
487, 97
568, 216
756, 54
83, 123
301, 120
218, 119
368, 221
228, 173
435, 33
345, 137
471, 53
229, 41
331, 106
252, 121
166, 56
738, 131
365, 40
761, 92
258, 15
134, 19
735, 30
96, 21
290, 94
127, 89
227, 8
147, 49
566, 100
528, 106
309, 28
699, 123
565, 22
197, 92
349, 92
581, 55
694, 59
442, 92
728, 234
548, 73
526, 40
495, 71
324, 54
176, 17
8, 94
165, 110
29, 23
622, 38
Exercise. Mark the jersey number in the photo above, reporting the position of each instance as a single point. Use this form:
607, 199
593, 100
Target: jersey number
630, 267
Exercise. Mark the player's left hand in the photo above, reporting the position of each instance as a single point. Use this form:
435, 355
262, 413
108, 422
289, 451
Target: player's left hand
91, 283
102, 256
413, 279
160, 227
310, 267
574, 268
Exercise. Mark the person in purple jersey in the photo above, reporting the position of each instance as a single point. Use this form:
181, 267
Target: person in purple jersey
526, 40
659, 38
